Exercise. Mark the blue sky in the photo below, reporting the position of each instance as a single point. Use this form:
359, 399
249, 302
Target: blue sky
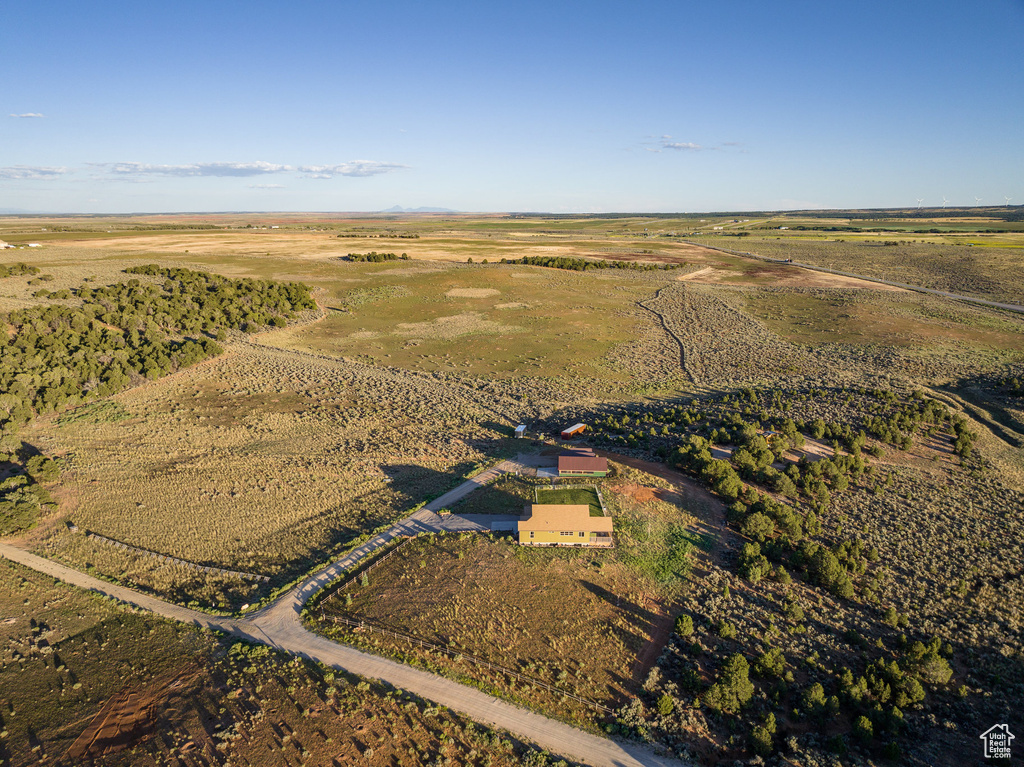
554, 106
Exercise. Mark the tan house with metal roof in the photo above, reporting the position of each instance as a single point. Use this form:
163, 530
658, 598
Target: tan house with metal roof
564, 524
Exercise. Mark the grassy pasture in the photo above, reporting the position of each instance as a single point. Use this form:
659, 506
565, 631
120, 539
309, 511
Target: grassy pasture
894, 319
495, 320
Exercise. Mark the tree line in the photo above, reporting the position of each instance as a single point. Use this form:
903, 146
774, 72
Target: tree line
16, 270
374, 257
583, 264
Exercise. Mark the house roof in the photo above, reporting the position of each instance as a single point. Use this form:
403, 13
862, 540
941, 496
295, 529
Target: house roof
575, 427
587, 463
551, 517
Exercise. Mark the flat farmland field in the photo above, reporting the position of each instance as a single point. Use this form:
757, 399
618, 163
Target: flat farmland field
494, 320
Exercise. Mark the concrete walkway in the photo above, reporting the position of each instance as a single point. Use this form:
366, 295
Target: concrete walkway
279, 625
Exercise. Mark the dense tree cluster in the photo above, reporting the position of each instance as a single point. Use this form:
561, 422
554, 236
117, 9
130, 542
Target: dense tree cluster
375, 258
583, 264
381, 236
778, 531
21, 495
737, 444
898, 426
59, 356
16, 270
191, 301
1013, 385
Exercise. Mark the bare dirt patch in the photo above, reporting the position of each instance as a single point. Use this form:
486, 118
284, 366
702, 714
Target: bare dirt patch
127, 718
453, 326
782, 275
705, 272
472, 293
638, 493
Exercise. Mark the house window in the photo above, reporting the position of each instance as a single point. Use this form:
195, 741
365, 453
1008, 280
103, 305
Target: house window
582, 534
531, 533
566, 532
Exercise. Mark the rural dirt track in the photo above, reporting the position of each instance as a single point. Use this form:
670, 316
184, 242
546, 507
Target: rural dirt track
280, 626
665, 324
906, 286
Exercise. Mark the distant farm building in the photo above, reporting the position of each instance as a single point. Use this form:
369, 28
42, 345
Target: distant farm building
521, 431
564, 525
574, 431
582, 463
5, 245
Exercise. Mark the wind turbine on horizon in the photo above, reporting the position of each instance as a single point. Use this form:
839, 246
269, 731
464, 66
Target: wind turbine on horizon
944, 201
1007, 200
977, 201
919, 201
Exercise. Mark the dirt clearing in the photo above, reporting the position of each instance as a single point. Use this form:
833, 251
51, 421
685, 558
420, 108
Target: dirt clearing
472, 293
127, 718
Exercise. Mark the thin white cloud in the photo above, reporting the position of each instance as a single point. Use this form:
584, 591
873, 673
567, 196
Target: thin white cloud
193, 169
29, 114
140, 172
681, 146
31, 172
128, 170
354, 168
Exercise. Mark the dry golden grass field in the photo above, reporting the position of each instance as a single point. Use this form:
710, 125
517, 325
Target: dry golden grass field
260, 460
268, 457
411, 373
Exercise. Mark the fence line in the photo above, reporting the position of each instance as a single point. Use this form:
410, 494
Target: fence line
373, 565
362, 624
176, 561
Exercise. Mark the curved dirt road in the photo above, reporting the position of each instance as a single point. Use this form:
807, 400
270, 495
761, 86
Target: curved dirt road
906, 286
279, 625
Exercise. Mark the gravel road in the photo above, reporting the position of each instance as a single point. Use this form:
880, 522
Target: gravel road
280, 626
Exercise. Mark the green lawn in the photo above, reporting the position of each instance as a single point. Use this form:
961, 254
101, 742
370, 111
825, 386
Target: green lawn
573, 495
